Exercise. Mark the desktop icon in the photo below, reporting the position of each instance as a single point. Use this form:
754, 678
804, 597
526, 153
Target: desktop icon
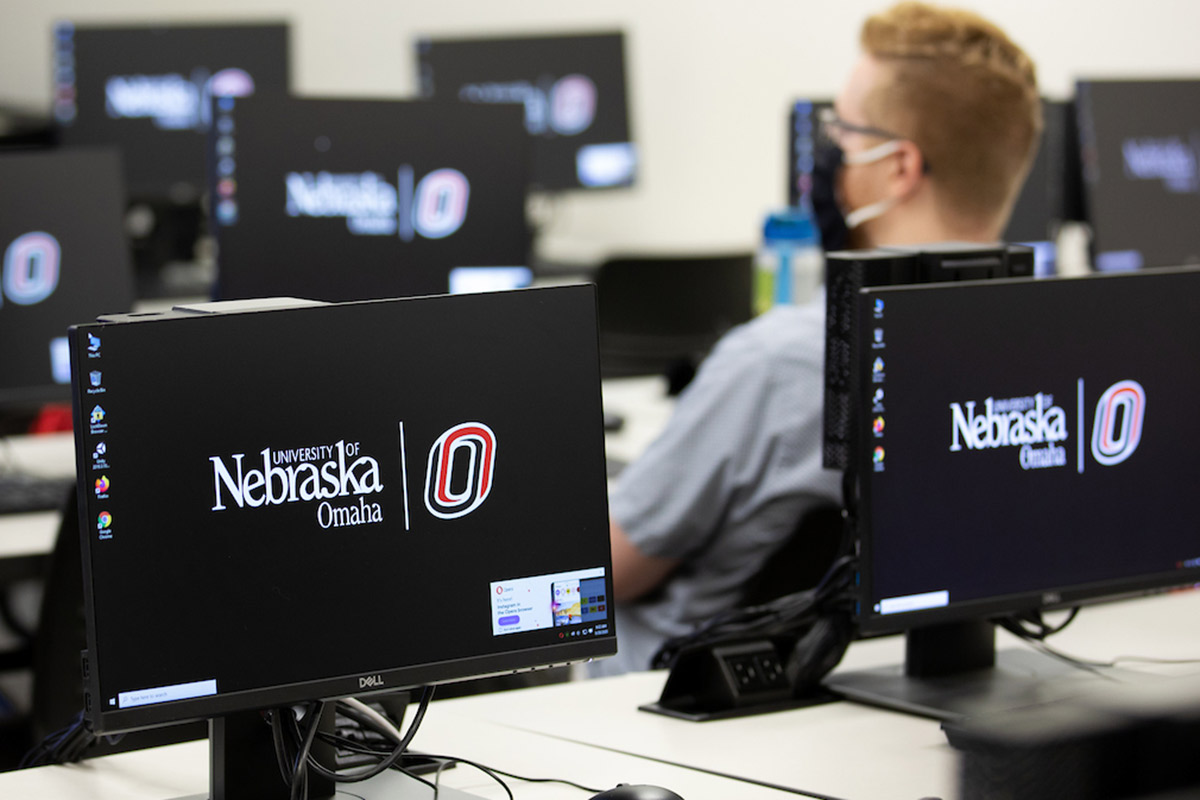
879, 336
227, 212
104, 521
878, 455
97, 415
878, 307
94, 377
101, 449
93, 343
877, 366
102, 484
878, 397
877, 426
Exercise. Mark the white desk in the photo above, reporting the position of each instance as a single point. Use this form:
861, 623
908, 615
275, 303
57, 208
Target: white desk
26, 538
839, 750
592, 732
645, 407
178, 771
842, 749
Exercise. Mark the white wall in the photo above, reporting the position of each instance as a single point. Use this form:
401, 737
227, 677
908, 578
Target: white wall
710, 80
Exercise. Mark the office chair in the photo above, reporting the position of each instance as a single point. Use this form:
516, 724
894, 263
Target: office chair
661, 315
803, 558
771, 652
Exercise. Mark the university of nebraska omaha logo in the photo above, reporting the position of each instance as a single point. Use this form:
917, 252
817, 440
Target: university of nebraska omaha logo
474, 442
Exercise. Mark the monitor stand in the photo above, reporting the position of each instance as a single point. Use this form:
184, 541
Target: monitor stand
242, 766
953, 672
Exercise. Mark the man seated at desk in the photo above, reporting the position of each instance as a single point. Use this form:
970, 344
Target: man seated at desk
930, 140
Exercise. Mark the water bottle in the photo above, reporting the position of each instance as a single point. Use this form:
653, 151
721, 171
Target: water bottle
790, 262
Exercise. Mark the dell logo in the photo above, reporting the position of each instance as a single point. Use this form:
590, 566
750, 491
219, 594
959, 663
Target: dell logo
370, 681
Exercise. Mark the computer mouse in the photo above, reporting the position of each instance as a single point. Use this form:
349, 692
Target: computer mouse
636, 791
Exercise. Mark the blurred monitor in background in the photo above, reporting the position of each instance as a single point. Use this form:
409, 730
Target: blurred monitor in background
65, 260
1140, 147
358, 199
572, 89
146, 89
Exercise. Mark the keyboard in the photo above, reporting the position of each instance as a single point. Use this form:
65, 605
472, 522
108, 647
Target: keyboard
22, 493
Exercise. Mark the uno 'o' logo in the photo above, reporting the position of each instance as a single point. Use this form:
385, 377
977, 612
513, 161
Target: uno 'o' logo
31, 268
572, 104
1117, 429
473, 442
440, 203
232, 82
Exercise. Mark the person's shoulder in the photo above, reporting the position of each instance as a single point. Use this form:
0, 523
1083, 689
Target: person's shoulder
784, 332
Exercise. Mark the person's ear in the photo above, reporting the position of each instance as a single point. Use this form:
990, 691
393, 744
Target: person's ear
907, 169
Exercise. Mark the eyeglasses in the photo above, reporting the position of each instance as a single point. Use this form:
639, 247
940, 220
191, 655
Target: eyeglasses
831, 127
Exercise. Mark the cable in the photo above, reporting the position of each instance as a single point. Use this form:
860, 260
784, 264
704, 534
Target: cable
299, 773
357, 709
493, 772
363, 713
63, 746
784, 616
276, 719
388, 761
1035, 637
1094, 667
1149, 660
1017, 625
437, 777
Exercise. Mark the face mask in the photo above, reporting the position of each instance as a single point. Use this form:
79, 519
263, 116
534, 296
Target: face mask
827, 160
835, 226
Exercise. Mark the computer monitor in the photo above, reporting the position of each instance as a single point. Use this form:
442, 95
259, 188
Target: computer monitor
572, 89
146, 89
283, 503
65, 258
1140, 148
1050, 195
803, 119
356, 199
1021, 445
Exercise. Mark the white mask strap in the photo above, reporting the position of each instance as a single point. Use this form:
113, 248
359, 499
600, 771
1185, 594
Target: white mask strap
873, 154
860, 215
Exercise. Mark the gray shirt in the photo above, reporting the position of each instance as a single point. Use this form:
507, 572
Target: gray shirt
723, 487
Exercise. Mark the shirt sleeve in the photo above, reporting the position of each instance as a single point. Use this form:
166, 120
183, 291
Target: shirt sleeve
673, 499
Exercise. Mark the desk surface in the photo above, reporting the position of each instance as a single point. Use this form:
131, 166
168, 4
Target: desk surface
592, 732
841, 749
179, 771
26, 538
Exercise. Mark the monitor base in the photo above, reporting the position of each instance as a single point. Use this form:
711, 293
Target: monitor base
388, 786
1020, 678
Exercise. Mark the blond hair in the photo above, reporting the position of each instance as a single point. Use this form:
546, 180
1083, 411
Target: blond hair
959, 88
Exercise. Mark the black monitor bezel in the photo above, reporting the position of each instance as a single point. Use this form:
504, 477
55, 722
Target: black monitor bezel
158, 190
535, 186
380, 681
989, 608
1082, 126
27, 398
250, 271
